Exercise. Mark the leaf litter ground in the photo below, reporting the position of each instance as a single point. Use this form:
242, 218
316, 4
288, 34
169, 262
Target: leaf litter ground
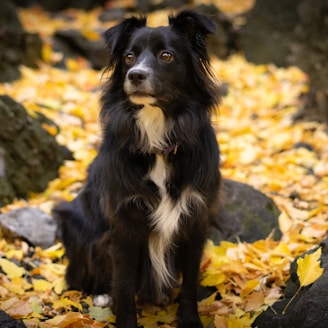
260, 144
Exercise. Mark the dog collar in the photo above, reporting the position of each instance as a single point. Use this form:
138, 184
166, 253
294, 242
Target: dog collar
170, 149
167, 150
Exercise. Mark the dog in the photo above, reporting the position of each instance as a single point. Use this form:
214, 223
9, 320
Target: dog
141, 220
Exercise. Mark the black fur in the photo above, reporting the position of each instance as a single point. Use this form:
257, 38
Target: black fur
106, 229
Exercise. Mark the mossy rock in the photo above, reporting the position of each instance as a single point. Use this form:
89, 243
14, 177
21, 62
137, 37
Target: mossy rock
29, 155
247, 214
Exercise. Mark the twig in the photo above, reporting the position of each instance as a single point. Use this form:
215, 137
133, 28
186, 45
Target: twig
291, 300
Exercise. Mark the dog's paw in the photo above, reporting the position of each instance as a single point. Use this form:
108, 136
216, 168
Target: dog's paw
102, 300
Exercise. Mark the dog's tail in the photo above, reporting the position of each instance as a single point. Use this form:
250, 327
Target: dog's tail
67, 217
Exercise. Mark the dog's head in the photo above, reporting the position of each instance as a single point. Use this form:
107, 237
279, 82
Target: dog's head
158, 66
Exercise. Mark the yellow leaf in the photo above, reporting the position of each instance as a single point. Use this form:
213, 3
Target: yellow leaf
11, 269
13, 288
213, 279
59, 285
91, 35
17, 254
51, 129
249, 287
21, 282
66, 303
3, 244
54, 252
41, 285
308, 271
308, 268
47, 53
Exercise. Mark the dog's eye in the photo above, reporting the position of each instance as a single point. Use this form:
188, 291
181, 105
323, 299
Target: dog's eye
129, 58
166, 56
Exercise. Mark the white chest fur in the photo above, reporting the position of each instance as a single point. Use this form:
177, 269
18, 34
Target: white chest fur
165, 218
152, 126
165, 222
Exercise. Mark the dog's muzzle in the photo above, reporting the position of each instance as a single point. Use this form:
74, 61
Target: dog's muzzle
137, 76
138, 86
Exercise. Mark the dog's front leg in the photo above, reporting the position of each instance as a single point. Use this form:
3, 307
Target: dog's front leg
125, 264
191, 253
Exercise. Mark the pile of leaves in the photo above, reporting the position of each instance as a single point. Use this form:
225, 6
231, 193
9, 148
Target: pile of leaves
260, 145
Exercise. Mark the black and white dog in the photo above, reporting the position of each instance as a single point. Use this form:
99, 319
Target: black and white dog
143, 215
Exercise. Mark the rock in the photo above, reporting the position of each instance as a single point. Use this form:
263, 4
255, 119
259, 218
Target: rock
226, 39
7, 322
16, 46
269, 31
72, 43
112, 14
29, 155
11, 41
308, 309
292, 33
57, 5
30, 224
247, 214
309, 52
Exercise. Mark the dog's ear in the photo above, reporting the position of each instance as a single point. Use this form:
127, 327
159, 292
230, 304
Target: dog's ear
195, 27
117, 37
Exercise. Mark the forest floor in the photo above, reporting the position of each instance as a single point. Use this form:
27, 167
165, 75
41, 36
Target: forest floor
261, 145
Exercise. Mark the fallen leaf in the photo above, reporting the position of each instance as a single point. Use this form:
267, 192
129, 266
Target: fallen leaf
100, 313
41, 285
70, 319
308, 271
59, 285
17, 308
308, 268
254, 301
249, 287
66, 304
11, 269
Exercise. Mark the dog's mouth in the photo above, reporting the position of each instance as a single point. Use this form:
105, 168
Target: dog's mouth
142, 98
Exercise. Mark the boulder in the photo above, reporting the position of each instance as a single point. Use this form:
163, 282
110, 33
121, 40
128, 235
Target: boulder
267, 35
246, 213
7, 322
16, 46
72, 44
309, 307
225, 42
29, 155
11, 42
309, 51
51, 5
294, 33
30, 224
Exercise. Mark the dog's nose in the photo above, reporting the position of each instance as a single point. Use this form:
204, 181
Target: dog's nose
137, 76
